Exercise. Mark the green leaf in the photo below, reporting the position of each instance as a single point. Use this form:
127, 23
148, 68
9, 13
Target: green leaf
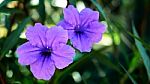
133, 81
104, 60
41, 10
73, 2
78, 55
13, 37
134, 62
140, 40
4, 3
142, 51
99, 8
7, 22
9, 10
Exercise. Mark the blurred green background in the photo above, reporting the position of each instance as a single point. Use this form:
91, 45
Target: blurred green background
122, 57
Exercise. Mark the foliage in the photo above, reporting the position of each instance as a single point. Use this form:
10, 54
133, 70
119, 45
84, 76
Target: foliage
121, 57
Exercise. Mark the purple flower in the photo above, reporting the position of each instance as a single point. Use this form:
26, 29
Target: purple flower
84, 29
45, 51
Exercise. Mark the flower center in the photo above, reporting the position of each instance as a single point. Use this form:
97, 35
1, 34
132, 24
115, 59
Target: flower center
78, 30
46, 52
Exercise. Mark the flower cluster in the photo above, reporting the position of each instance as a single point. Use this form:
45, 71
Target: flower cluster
46, 48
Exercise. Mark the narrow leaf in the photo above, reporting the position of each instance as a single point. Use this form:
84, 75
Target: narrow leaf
13, 37
104, 60
9, 10
142, 51
99, 8
133, 81
41, 10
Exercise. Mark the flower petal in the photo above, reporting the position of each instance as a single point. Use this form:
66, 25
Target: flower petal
71, 15
81, 42
65, 25
43, 68
95, 30
27, 54
63, 56
56, 35
97, 26
87, 15
71, 33
36, 35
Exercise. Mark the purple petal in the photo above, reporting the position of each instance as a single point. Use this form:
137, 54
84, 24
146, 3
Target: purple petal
27, 54
56, 35
97, 26
36, 35
71, 33
43, 68
95, 30
87, 15
82, 42
65, 25
63, 56
71, 15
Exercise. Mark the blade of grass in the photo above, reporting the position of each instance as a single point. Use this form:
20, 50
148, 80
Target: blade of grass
140, 40
41, 11
104, 60
142, 51
99, 8
13, 37
134, 64
133, 81
124, 32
